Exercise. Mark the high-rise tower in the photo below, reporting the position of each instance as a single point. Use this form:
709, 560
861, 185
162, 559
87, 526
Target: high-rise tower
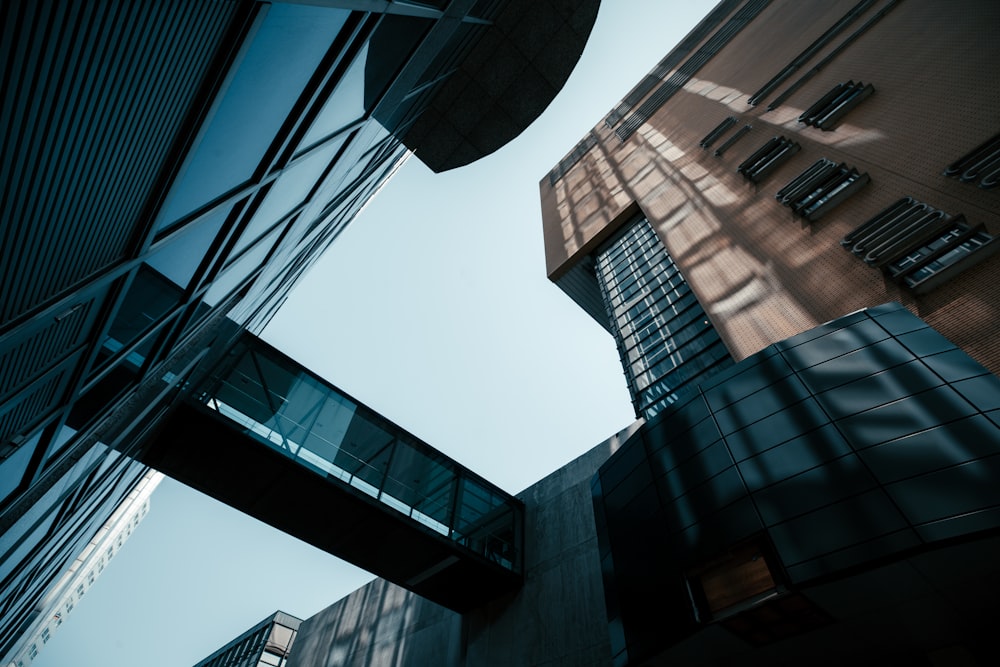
169, 171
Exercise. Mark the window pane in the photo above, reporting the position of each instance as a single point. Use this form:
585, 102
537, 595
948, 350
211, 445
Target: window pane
288, 192
283, 56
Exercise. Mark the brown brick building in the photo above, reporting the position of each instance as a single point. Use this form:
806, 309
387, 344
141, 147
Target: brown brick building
761, 271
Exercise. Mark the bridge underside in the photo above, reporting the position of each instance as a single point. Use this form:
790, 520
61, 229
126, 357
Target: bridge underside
208, 452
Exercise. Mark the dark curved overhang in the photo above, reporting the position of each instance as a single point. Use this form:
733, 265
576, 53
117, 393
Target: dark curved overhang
508, 78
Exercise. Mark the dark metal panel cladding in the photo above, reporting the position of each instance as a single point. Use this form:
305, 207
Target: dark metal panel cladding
94, 97
20, 414
27, 354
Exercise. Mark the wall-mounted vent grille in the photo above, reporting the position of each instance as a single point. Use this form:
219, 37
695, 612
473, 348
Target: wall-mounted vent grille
981, 165
831, 108
919, 246
828, 58
25, 359
574, 156
731, 141
810, 51
767, 158
820, 188
85, 129
893, 230
676, 81
717, 132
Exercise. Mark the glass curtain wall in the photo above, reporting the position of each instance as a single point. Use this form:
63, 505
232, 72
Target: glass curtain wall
666, 341
284, 406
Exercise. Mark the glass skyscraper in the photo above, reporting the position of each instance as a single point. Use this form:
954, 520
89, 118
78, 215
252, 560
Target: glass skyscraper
168, 170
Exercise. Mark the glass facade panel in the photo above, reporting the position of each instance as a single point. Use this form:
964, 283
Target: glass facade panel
149, 298
664, 337
59, 440
283, 406
234, 274
285, 52
833, 489
179, 258
345, 106
288, 192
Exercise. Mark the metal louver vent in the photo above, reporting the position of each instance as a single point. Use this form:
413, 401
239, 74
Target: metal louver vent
892, 230
821, 187
85, 128
22, 412
831, 55
767, 158
829, 109
981, 164
717, 132
25, 359
728, 143
919, 246
676, 55
846, 20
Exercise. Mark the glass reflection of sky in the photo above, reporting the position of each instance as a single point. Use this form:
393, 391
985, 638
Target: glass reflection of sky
283, 55
345, 106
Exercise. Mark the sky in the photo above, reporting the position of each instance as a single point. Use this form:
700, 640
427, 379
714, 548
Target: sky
433, 309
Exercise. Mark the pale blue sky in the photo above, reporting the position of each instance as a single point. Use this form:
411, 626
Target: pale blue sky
433, 308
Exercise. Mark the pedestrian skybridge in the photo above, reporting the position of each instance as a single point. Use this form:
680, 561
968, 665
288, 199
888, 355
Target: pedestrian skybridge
268, 437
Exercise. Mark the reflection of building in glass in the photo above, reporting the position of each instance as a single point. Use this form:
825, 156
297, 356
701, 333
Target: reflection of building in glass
169, 171
826, 495
266, 644
61, 599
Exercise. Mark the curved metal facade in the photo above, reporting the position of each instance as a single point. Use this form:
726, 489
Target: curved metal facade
863, 441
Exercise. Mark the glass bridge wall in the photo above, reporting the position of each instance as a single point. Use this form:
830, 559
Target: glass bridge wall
284, 406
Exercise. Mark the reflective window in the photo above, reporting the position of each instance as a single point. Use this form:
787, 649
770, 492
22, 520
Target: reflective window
345, 106
234, 274
61, 438
288, 191
665, 339
150, 296
179, 258
285, 407
284, 54
13, 467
